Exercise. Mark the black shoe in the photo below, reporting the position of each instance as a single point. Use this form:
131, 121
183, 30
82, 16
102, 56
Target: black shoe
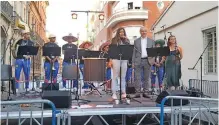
145, 95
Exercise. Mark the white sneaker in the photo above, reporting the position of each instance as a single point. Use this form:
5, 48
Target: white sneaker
114, 96
75, 89
17, 90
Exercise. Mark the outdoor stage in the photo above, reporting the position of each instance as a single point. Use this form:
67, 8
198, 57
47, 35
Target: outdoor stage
100, 110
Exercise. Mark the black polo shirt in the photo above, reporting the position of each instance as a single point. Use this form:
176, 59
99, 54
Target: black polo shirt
66, 47
50, 44
23, 42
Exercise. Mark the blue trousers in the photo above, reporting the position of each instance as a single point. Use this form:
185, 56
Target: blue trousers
81, 66
108, 73
75, 82
47, 67
160, 75
25, 65
129, 75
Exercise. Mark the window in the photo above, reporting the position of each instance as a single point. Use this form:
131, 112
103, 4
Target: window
211, 51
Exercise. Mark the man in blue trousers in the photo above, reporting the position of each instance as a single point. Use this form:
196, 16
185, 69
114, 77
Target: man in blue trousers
85, 45
157, 70
22, 61
51, 61
66, 60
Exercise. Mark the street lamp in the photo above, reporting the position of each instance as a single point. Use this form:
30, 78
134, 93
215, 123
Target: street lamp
74, 16
101, 17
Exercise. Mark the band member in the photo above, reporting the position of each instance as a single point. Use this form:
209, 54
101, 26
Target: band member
22, 62
105, 48
173, 63
119, 39
141, 60
157, 70
85, 45
66, 60
51, 62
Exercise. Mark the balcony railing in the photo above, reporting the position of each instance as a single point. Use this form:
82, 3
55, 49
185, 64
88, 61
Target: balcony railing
7, 10
126, 8
124, 14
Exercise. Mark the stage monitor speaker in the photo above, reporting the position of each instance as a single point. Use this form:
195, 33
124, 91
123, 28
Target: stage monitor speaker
47, 86
176, 102
61, 99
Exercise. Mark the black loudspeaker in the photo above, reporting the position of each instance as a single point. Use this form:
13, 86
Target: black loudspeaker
6, 72
47, 86
130, 90
176, 102
194, 92
61, 99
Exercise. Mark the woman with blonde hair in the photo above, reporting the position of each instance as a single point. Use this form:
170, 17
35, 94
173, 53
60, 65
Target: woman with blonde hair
173, 64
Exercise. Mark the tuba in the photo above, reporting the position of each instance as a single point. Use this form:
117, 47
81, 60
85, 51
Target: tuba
14, 49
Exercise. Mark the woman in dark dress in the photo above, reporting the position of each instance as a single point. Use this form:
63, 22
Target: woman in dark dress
173, 64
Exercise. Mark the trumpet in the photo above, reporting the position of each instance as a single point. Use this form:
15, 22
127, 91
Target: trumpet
53, 67
155, 67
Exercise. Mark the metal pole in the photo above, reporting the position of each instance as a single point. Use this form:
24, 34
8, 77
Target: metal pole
87, 24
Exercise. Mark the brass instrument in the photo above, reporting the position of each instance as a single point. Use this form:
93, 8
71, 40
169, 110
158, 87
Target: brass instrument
53, 68
14, 49
155, 67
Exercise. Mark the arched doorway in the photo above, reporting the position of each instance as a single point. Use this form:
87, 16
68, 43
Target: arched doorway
3, 42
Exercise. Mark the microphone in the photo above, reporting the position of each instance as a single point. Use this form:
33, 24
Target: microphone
170, 33
100, 54
190, 68
163, 26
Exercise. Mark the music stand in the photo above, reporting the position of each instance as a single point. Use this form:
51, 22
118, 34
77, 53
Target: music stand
121, 52
160, 51
92, 54
155, 52
30, 51
51, 51
69, 71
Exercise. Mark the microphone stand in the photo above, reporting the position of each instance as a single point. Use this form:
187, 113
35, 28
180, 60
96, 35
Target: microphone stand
200, 58
165, 37
77, 98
